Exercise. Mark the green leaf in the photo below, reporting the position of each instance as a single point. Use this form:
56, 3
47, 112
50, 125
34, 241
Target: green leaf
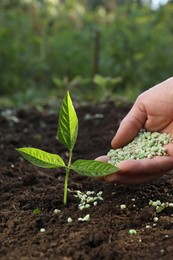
41, 158
68, 123
36, 211
93, 168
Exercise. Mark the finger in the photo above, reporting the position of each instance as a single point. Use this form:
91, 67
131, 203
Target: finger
146, 166
102, 158
130, 126
169, 149
141, 171
132, 179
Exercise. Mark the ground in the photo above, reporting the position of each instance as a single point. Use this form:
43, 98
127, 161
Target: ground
24, 188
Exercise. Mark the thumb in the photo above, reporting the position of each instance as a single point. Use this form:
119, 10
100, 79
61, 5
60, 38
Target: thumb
129, 126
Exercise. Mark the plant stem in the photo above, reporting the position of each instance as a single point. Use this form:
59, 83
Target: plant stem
66, 178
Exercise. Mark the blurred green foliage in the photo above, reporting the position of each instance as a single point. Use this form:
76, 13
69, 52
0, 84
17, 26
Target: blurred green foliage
50, 45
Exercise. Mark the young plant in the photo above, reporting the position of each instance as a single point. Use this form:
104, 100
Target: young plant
67, 135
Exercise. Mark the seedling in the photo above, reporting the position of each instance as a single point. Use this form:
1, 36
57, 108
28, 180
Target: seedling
36, 211
132, 232
67, 135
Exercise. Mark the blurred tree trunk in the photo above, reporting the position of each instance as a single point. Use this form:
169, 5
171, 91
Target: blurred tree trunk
96, 52
109, 4
139, 2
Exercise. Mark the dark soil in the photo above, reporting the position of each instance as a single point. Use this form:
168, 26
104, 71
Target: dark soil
24, 188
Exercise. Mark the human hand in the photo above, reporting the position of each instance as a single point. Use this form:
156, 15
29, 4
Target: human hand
152, 110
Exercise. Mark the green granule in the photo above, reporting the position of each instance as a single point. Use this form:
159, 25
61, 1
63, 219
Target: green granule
144, 145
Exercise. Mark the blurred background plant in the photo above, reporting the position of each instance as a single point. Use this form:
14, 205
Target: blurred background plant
99, 49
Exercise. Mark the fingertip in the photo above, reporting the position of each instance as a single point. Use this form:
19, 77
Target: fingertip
112, 178
169, 149
103, 158
114, 143
100, 178
126, 165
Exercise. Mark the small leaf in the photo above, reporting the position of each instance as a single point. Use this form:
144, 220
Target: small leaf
41, 158
68, 123
93, 168
36, 211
